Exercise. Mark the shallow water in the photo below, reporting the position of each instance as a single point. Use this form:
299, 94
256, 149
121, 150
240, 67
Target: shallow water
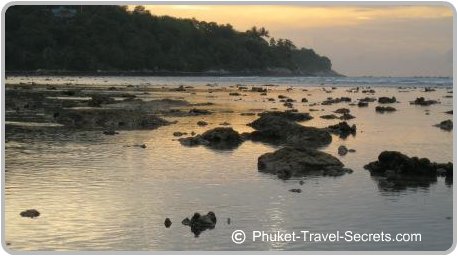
98, 192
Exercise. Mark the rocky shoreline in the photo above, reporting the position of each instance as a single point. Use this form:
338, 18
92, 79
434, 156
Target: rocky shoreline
297, 147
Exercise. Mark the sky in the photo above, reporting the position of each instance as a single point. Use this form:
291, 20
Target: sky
360, 40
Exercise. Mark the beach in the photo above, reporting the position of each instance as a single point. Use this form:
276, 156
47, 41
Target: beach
113, 192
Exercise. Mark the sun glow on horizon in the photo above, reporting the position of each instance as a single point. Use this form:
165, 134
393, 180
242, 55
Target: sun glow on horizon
390, 40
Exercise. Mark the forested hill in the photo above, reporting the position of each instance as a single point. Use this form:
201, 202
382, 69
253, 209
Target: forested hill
112, 38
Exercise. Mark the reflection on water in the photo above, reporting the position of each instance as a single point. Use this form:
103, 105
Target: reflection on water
94, 193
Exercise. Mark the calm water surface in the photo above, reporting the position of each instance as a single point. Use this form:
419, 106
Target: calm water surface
96, 192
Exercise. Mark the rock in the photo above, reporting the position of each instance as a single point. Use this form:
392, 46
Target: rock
31, 213
445, 125
225, 123
342, 150
304, 100
98, 99
234, 94
217, 138
282, 97
288, 104
450, 112
296, 190
192, 141
346, 116
128, 96
186, 221
292, 116
202, 123
200, 223
428, 89
248, 114
284, 174
228, 221
331, 101
301, 182
167, 223
258, 89
198, 112
279, 130
179, 134
332, 116
342, 111
110, 132
363, 104
422, 102
300, 162
179, 89
351, 150
71, 92
382, 109
367, 99
385, 100
402, 165
106, 118
343, 129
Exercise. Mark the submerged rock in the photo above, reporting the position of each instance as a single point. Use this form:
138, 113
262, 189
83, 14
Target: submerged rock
279, 130
248, 114
198, 112
202, 123
331, 101
445, 125
343, 129
342, 150
367, 99
120, 119
296, 190
218, 138
179, 134
382, 109
423, 102
99, 99
346, 116
332, 116
342, 111
385, 100
296, 162
167, 223
31, 213
363, 104
258, 89
110, 132
200, 223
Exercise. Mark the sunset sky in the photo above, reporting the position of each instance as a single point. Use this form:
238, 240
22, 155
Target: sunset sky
359, 40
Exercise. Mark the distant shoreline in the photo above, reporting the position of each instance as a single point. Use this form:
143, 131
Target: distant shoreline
330, 73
